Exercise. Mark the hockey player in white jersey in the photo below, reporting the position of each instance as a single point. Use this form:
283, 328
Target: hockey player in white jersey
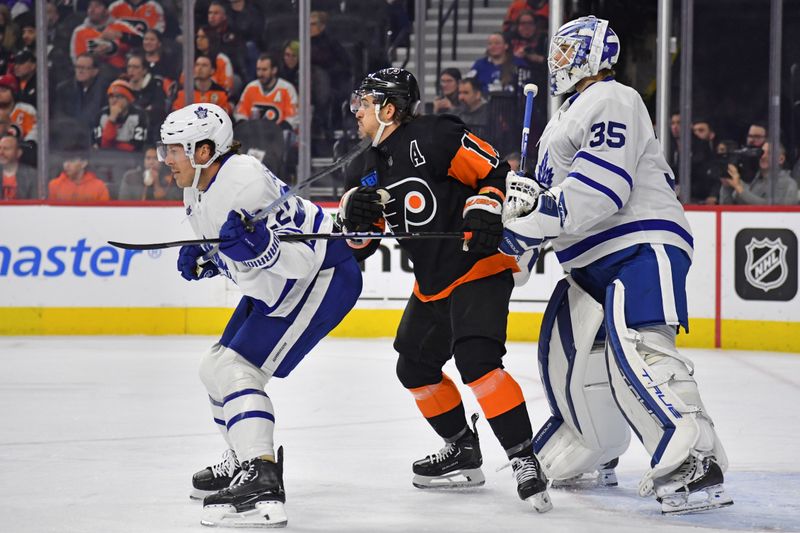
603, 195
294, 293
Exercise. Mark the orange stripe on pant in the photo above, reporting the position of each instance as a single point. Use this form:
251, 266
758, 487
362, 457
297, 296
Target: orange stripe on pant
434, 400
497, 392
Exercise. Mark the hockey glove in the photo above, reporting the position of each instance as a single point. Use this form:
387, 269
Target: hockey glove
482, 217
544, 222
188, 267
249, 241
521, 195
361, 207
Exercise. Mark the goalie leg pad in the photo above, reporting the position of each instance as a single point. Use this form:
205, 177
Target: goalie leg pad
586, 429
654, 387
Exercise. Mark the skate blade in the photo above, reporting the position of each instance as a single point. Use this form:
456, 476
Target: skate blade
265, 514
458, 479
678, 504
540, 502
586, 481
199, 495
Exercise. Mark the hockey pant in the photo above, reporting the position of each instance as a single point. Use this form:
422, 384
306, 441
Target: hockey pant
637, 380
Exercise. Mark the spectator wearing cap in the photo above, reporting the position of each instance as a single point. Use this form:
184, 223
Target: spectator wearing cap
19, 180
122, 125
27, 27
447, 100
76, 184
25, 72
84, 95
141, 14
22, 116
103, 36
205, 90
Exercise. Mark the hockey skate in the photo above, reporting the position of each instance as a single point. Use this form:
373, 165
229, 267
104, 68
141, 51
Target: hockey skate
216, 477
695, 486
605, 476
254, 499
531, 482
457, 465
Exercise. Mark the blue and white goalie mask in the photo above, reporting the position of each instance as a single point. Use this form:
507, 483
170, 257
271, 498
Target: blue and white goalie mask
581, 48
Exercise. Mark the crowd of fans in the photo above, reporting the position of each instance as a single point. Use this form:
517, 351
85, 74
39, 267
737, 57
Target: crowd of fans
115, 72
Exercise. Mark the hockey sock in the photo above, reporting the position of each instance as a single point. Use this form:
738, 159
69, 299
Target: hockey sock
441, 405
503, 404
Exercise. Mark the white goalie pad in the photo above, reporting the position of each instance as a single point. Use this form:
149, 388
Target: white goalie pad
586, 429
656, 392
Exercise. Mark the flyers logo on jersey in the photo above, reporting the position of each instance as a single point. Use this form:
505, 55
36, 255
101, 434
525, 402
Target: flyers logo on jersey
412, 204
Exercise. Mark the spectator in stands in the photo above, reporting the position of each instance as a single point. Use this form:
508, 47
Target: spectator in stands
19, 180
159, 63
447, 99
705, 178
76, 184
540, 8
122, 125
9, 34
22, 116
497, 71
84, 95
527, 41
141, 14
290, 61
330, 56
474, 111
205, 90
151, 182
756, 135
59, 33
269, 96
674, 141
247, 22
148, 90
231, 43
736, 191
207, 43
25, 72
103, 36
27, 28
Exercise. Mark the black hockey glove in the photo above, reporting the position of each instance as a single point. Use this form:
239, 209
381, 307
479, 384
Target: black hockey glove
482, 216
361, 207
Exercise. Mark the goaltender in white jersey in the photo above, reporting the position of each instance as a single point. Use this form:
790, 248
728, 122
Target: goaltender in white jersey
604, 196
294, 293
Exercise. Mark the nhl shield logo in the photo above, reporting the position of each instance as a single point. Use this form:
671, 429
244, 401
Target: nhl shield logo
766, 267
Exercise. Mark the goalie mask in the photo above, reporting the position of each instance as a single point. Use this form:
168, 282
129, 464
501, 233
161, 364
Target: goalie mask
192, 124
581, 48
389, 85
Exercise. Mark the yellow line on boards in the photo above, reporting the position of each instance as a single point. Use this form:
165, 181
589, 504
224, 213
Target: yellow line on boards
365, 323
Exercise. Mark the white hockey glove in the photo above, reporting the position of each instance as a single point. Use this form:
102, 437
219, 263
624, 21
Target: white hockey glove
521, 194
545, 221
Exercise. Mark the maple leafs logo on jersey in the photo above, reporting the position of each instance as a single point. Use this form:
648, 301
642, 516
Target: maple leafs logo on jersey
544, 172
201, 112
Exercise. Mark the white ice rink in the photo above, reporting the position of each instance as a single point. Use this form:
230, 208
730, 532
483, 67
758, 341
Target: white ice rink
102, 434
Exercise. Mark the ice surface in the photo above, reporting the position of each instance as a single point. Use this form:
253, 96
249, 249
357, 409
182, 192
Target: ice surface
102, 434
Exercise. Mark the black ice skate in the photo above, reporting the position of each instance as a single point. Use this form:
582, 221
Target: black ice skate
531, 482
457, 465
216, 477
695, 486
255, 499
605, 476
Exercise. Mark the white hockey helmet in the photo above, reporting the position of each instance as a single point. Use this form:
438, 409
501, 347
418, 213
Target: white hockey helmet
194, 123
579, 49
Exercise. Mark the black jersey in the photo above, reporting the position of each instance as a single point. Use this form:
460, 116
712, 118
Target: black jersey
430, 167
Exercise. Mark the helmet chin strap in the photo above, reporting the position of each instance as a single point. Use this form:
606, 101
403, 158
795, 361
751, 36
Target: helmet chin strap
377, 139
197, 171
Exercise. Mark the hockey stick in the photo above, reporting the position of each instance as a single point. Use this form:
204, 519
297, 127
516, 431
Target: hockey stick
291, 237
530, 91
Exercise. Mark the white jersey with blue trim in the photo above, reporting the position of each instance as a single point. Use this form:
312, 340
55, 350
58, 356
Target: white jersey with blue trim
618, 190
243, 182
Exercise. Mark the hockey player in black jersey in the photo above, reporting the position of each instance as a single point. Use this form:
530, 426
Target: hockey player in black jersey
430, 173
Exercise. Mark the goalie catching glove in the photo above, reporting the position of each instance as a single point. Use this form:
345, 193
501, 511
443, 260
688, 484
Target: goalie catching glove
482, 217
248, 241
362, 207
531, 214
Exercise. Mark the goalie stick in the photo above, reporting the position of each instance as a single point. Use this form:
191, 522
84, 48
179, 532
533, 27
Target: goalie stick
290, 237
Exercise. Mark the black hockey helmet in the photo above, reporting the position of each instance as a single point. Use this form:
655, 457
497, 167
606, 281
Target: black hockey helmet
395, 85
